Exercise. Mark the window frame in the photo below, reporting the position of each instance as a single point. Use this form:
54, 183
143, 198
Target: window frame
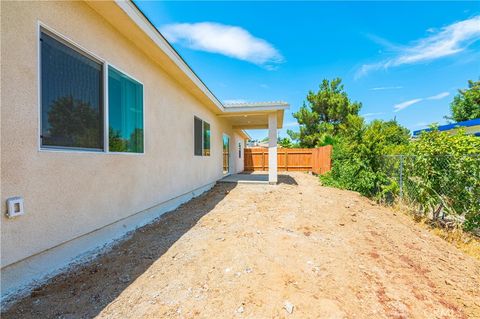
203, 137
43, 28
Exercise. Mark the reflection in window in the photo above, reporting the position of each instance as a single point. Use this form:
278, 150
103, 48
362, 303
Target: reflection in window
125, 113
71, 97
206, 139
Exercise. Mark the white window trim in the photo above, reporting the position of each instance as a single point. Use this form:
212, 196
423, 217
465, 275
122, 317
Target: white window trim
75, 46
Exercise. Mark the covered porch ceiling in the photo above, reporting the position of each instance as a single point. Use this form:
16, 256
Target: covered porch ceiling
246, 116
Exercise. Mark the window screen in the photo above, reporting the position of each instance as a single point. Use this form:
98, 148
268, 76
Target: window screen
125, 113
206, 139
71, 97
198, 136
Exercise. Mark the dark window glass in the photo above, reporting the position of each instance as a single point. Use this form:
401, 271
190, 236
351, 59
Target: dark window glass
206, 139
125, 113
198, 136
71, 97
239, 150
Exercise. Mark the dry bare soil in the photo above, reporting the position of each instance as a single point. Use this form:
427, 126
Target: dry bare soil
295, 250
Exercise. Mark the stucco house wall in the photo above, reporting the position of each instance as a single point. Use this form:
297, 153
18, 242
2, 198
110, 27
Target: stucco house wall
70, 194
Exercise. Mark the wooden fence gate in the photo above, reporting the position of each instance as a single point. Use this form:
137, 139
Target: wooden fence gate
316, 160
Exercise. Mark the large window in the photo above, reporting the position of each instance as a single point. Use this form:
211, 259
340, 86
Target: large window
201, 137
125, 113
71, 97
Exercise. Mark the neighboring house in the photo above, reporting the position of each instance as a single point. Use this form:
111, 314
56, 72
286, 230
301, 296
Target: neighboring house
103, 128
471, 127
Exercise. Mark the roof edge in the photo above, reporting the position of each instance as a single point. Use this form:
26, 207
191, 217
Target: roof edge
256, 107
450, 126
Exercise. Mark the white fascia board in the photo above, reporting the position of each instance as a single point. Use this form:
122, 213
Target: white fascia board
133, 12
247, 135
253, 109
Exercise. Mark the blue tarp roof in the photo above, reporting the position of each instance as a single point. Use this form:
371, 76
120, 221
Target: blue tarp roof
451, 126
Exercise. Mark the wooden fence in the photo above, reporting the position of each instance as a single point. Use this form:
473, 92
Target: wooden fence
316, 160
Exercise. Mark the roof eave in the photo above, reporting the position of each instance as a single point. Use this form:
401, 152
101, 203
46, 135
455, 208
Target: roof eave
130, 10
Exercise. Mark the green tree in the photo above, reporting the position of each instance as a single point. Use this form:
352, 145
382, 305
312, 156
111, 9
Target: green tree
286, 142
135, 143
358, 154
116, 142
466, 104
322, 114
75, 122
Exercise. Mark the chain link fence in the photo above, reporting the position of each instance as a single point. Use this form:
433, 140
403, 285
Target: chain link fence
442, 187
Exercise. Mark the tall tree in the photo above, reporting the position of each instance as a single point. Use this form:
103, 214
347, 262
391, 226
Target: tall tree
322, 114
466, 104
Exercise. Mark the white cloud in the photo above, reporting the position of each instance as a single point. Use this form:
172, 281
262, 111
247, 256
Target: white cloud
381, 88
403, 105
372, 114
228, 40
447, 41
438, 96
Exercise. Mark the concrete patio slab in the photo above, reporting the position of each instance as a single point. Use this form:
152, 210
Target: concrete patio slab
246, 179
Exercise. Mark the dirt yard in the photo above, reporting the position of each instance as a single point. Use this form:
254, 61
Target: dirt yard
295, 250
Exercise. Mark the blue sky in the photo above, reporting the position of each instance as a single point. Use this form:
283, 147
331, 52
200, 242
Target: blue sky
405, 60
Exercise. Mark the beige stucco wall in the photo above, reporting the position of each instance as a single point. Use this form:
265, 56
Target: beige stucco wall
70, 194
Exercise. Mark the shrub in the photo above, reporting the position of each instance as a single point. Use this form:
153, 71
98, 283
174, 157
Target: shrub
445, 175
358, 155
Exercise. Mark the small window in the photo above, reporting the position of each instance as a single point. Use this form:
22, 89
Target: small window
239, 149
125, 113
71, 97
202, 137
206, 139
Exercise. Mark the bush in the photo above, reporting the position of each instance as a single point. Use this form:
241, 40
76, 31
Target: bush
440, 171
358, 155
445, 175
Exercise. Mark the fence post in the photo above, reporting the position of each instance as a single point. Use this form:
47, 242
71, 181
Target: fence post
401, 177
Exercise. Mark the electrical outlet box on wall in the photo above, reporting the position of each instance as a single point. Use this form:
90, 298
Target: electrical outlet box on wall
15, 207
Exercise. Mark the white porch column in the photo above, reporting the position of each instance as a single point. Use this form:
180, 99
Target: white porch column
272, 148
